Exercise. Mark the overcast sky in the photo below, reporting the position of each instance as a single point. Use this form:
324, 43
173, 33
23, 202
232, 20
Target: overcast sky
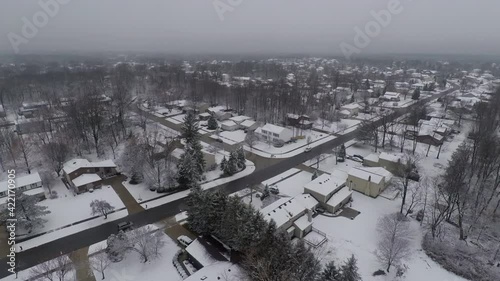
254, 26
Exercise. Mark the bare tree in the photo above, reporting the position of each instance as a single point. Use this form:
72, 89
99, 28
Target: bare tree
8, 141
52, 270
394, 244
26, 147
407, 166
251, 139
56, 153
147, 242
101, 207
100, 261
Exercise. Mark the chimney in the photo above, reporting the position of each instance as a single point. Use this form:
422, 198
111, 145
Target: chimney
309, 215
369, 183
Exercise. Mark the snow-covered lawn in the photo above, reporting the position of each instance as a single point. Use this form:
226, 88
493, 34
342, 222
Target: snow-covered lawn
291, 186
131, 267
165, 112
237, 136
360, 236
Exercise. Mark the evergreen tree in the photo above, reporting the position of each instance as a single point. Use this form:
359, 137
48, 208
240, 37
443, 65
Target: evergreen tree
232, 165
349, 271
329, 273
416, 94
342, 152
266, 192
223, 164
212, 123
188, 174
241, 158
190, 128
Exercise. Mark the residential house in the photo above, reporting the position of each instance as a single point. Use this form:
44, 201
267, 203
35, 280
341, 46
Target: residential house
249, 125
229, 125
82, 175
293, 215
204, 116
369, 181
222, 115
29, 184
330, 190
390, 162
351, 109
273, 133
428, 135
240, 118
203, 254
299, 121
391, 96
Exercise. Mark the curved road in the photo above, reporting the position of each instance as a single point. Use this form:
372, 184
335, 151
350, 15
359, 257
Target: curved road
271, 168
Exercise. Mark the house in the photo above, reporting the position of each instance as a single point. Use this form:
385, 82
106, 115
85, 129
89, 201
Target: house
390, 162
202, 254
82, 175
330, 190
273, 133
204, 116
222, 115
2, 112
229, 125
369, 181
249, 125
240, 118
427, 135
299, 121
217, 271
352, 108
293, 215
30, 184
391, 96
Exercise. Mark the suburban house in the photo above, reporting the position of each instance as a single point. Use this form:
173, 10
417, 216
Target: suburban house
30, 109
204, 116
82, 175
222, 115
240, 118
273, 133
330, 191
249, 125
391, 96
299, 121
209, 157
351, 109
202, 254
428, 135
229, 125
30, 184
390, 162
369, 181
293, 215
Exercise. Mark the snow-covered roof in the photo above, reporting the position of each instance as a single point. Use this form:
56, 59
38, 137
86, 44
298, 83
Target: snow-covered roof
85, 179
228, 123
75, 164
217, 272
392, 94
389, 157
372, 157
339, 196
285, 209
303, 222
205, 114
351, 106
345, 112
375, 174
240, 118
247, 123
324, 184
21, 181
273, 128
176, 153
200, 253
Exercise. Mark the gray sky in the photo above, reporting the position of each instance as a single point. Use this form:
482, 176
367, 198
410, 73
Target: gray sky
254, 26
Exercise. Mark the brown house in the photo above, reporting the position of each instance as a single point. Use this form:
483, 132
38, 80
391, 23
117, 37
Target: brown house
82, 175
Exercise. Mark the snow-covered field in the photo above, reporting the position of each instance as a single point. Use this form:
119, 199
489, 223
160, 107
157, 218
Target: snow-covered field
359, 237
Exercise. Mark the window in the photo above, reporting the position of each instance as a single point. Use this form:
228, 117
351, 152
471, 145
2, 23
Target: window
264, 131
276, 135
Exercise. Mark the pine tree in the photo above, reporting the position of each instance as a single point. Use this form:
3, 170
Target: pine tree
223, 164
349, 271
416, 94
190, 128
266, 192
188, 175
241, 158
329, 273
232, 165
212, 123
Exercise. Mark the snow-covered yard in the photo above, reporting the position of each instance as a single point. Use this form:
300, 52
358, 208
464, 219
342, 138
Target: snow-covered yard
131, 267
360, 236
340, 127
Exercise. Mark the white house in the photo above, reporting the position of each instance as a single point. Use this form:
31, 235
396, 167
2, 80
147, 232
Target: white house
30, 184
330, 190
391, 96
229, 125
272, 133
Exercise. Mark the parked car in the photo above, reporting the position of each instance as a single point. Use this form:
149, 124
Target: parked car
278, 143
218, 140
274, 190
307, 149
184, 240
125, 225
359, 156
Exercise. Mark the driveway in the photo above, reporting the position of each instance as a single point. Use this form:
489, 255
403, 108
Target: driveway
122, 192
